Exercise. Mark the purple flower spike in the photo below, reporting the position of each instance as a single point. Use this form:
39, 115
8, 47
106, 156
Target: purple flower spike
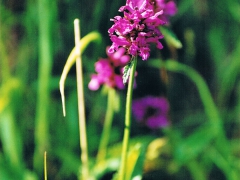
152, 111
168, 6
139, 26
109, 70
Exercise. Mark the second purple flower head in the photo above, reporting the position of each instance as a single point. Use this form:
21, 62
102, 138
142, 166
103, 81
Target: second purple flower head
109, 70
151, 111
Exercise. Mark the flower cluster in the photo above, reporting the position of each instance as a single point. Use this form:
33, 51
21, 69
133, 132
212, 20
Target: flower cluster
139, 26
168, 6
152, 111
109, 70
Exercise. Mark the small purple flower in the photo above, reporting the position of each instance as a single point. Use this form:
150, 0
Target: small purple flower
152, 111
168, 6
139, 26
109, 70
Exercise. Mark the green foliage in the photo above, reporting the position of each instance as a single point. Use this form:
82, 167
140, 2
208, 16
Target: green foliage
199, 74
126, 72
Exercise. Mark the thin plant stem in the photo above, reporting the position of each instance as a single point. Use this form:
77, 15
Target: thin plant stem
126, 136
46, 11
210, 108
45, 165
204, 92
102, 150
196, 170
11, 139
228, 78
92, 36
81, 106
5, 69
231, 171
215, 120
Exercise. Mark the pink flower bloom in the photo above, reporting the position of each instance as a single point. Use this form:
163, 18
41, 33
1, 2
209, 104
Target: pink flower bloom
151, 111
168, 6
109, 70
139, 26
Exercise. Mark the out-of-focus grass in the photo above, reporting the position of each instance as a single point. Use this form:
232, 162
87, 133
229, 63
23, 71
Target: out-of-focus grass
35, 41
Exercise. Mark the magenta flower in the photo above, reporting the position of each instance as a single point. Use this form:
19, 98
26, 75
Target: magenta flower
109, 70
139, 26
168, 6
151, 111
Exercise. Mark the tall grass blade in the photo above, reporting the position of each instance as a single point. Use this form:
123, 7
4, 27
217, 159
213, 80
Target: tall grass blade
93, 36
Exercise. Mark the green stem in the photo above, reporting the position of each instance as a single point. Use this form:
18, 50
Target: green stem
215, 120
5, 69
126, 135
6, 25
107, 126
229, 76
196, 171
45, 165
231, 172
46, 12
11, 139
81, 105
205, 95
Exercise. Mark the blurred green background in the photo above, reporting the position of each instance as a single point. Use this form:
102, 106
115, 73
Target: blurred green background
203, 141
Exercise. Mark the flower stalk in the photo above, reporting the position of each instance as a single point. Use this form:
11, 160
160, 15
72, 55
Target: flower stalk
45, 165
102, 151
122, 169
81, 107
46, 11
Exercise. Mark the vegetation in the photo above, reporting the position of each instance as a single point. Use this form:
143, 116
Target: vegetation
197, 71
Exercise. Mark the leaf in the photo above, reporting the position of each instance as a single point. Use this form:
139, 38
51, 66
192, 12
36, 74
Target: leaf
126, 72
171, 38
192, 146
135, 162
93, 36
133, 157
